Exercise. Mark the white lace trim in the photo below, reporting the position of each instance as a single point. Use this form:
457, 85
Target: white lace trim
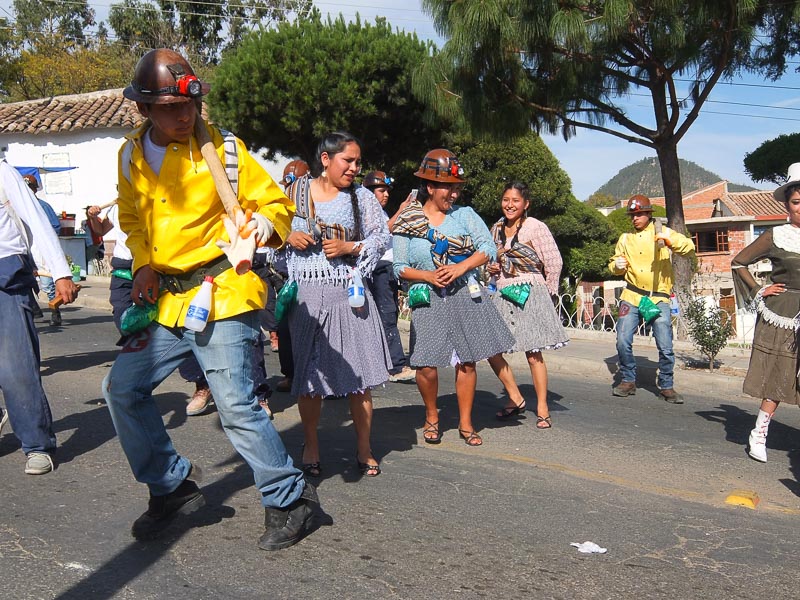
774, 318
787, 237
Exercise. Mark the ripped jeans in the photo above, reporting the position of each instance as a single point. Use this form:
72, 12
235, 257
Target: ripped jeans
224, 351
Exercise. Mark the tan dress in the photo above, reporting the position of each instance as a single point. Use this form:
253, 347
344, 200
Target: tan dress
774, 360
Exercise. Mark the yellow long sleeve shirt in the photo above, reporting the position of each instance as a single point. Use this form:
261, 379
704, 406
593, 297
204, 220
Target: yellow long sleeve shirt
644, 264
174, 219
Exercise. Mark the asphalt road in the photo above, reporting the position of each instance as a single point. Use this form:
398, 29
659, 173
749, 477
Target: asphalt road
642, 478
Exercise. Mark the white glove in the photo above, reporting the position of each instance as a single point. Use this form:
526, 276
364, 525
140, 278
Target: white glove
621, 263
239, 250
262, 227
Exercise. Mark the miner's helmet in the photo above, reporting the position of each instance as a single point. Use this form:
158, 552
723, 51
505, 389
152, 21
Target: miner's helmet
293, 171
163, 76
375, 179
442, 166
32, 183
639, 204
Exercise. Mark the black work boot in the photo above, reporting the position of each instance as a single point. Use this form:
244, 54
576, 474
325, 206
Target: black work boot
162, 510
284, 527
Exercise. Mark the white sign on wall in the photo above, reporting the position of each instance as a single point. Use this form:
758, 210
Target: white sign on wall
59, 182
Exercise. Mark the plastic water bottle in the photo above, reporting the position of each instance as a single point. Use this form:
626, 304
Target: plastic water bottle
673, 305
199, 307
474, 287
492, 285
355, 290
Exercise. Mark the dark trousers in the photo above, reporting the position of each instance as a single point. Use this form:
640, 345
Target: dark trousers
383, 286
25, 399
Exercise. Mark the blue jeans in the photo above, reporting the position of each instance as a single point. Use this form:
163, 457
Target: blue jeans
26, 402
662, 332
224, 351
48, 286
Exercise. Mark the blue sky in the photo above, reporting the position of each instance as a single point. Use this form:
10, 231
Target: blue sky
741, 116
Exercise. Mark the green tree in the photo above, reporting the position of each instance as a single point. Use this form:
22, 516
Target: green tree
709, 328
283, 88
598, 200
771, 160
582, 233
202, 29
560, 66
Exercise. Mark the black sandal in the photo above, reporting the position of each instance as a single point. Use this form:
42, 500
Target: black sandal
432, 428
472, 438
367, 469
312, 469
548, 423
510, 411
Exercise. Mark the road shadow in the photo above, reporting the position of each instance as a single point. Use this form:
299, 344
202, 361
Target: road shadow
646, 373
76, 362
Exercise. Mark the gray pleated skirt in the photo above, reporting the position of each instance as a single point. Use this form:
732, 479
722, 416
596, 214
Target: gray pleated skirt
473, 329
338, 350
537, 326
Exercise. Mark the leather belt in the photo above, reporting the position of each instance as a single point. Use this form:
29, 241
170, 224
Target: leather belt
642, 292
183, 282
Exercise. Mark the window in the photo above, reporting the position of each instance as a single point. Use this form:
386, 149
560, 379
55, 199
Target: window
715, 240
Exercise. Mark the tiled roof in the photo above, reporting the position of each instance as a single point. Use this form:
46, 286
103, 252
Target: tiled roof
106, 108
701, 203
760, 205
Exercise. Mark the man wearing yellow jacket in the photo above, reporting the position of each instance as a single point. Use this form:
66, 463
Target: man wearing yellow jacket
647, 269
170, 209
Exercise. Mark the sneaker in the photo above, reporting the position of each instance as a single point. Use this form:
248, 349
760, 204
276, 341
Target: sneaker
671, 396
3, 419
284, 385
405, 374
624, 389
39, 463
200, 402
55, 317
284, 527
163, 510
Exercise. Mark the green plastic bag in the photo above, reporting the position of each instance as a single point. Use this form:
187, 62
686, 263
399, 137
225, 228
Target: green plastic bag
284, 301
517, 294
419, 294
135, 318
648, 310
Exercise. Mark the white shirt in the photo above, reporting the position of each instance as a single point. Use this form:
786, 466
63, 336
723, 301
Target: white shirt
121, 249
14, 190
389, 254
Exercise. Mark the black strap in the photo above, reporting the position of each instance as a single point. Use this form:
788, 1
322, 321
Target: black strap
642, 292
183, 282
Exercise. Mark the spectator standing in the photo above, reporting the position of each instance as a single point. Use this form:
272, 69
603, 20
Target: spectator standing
383, 283
22, 221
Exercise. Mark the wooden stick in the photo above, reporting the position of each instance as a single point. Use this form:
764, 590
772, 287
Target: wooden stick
223, 185
108, 204
58, 300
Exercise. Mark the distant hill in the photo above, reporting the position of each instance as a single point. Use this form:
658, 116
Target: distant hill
644, 177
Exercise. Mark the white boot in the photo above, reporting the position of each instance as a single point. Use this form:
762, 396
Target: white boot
757, 445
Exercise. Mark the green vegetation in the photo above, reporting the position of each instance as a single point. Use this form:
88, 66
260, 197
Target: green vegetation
708, 327
771, 160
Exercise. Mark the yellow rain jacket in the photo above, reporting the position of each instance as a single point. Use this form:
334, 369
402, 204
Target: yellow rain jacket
174, 219
639, 248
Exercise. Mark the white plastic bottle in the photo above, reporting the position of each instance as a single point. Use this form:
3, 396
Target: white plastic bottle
492, 285
355, 290
474, 287
673, 305
200, 307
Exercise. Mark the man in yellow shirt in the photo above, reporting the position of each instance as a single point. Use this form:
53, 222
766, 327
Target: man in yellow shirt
170, 209
647, 269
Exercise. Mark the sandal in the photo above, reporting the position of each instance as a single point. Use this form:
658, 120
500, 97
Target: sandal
472, 438
543, 423
313, 469
434, 429
510, 411
367, 469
